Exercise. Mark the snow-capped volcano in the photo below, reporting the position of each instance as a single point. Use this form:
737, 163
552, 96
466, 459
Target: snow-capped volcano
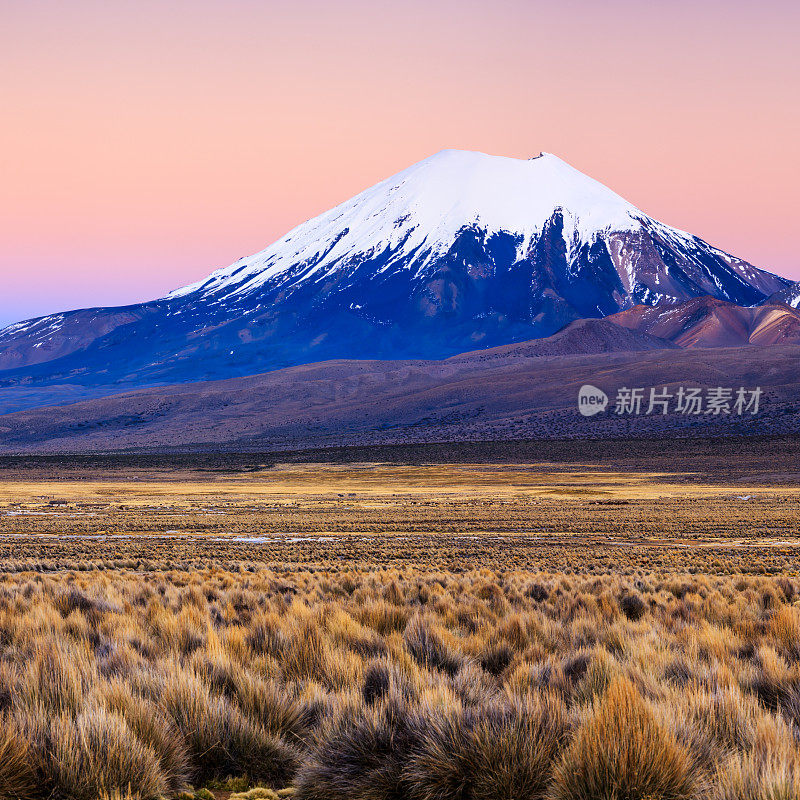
460, 251
413, 219
421, 212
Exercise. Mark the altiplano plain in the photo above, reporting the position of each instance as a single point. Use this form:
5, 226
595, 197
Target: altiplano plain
392, 623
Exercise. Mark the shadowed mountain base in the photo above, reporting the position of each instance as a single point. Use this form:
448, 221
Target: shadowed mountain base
508, 393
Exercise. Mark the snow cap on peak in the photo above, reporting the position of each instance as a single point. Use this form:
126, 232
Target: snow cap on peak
424, 207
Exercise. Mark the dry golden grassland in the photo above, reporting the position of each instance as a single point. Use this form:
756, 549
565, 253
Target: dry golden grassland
383, 632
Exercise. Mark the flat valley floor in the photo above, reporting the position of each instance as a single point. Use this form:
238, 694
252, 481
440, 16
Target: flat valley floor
737, 504
338, 624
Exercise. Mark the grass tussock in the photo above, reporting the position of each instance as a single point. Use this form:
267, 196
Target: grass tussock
399, 684
622, 752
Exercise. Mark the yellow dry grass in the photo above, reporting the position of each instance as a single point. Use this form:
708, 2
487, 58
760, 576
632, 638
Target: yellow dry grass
380, 481
377, 632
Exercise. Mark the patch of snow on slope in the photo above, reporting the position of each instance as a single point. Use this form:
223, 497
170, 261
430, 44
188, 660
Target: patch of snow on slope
792, 297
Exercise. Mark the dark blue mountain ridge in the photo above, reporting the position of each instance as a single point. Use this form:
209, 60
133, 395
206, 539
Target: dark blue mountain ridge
459, 252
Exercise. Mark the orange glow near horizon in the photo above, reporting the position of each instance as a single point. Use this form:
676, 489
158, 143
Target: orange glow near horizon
145, 144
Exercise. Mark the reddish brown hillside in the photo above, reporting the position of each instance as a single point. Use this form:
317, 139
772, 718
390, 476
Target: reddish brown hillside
708, 322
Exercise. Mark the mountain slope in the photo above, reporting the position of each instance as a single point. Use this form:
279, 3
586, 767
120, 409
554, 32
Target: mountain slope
515, 394
460, 251
582, 337
709, 322
790, 296
501, 206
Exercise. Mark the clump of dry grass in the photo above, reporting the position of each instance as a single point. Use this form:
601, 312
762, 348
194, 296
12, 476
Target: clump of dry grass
421, 683
622, 752
150, 724
359, 755
93, 753
429, 649
18, 779
768, 771
504, 750
221, 741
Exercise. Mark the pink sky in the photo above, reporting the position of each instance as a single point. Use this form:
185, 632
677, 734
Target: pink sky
146, 143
